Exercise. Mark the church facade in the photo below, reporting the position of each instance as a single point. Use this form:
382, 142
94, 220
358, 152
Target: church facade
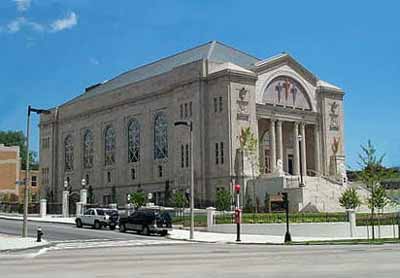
120, 135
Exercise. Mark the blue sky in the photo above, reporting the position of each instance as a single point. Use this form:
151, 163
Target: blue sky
50, 50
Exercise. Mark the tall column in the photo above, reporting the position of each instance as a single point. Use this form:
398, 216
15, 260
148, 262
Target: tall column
273, 145
280, 140
296, 160
303, 148
317, 153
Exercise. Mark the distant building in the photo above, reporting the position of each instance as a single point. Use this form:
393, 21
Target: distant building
9, 169
120, 135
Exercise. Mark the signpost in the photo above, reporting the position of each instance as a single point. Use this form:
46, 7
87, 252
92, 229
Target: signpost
237, 212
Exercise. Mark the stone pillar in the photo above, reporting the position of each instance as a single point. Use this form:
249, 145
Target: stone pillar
280, 140
317, 148
43, 208
83, 196
351, 213
296, 159
273, 146
65, 204
210, 217
79, 208
303, 148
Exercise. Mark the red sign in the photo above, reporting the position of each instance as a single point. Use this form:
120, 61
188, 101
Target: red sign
237, 188
238, 216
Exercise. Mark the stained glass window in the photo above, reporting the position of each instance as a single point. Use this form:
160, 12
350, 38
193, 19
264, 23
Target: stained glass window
88, 149
160, 136
109, 146
69, 153
134, 141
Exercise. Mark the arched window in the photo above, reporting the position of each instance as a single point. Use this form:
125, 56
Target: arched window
88, 149
287, 92
160, 136
133, 141
68, 153
109, 146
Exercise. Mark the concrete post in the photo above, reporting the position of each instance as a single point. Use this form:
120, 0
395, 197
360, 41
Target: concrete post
84, 196
351, 213
65, 204
43, 208
210, 217
79, 208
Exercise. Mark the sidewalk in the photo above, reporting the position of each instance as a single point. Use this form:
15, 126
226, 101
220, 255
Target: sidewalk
13, 243
48, 219
245, 238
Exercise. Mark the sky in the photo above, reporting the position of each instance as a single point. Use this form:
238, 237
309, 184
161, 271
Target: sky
50, 50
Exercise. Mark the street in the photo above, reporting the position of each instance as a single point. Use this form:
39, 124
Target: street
61, 232
209, 260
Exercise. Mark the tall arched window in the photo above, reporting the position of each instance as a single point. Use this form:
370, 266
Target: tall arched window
88, 149
109, 146
134, 141
68, 153
160, 136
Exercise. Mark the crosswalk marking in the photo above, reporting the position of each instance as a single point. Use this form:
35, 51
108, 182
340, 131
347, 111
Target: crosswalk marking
86, 244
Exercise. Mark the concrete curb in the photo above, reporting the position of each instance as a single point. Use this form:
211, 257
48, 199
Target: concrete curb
15, 250
5, 217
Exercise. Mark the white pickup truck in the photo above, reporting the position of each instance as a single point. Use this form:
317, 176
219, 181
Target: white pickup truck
98, 218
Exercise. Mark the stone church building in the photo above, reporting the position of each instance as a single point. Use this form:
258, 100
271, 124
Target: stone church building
120, 136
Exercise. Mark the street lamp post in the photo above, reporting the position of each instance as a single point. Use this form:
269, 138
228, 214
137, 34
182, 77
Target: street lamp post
189, 124
26, 190
301, 161
288, 237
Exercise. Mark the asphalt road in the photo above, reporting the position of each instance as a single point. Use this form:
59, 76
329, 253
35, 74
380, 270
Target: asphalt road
209, 260
60, 232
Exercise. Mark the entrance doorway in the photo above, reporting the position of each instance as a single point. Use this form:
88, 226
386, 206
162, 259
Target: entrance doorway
290, 164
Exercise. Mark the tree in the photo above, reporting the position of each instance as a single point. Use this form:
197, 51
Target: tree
138, 199
350, 199
372, 174
17, 138
179, 200
113, 194
248, 146
223, 199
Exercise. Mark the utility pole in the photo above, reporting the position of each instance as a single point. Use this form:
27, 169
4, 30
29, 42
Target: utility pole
189, 124
27, 177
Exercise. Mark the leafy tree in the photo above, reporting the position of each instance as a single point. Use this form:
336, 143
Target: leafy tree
113, 194
378, 198
223, 199
17, 138
248, 145
179, 200
372, 174
350, 199
90, 195
248, 206
138, 199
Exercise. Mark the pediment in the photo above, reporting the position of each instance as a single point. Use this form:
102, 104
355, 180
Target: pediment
281, 60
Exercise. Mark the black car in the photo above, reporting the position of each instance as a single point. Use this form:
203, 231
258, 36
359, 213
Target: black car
146, 222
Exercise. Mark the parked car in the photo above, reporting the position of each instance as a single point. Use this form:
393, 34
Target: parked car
98, 218
146, 222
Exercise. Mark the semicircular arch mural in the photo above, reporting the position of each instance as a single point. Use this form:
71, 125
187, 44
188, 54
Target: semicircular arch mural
287, 92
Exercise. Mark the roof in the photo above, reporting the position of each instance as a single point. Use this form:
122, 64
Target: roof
212, 51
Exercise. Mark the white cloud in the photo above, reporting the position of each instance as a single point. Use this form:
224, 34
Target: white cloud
17, 24
94, 61
23, 5
65, 23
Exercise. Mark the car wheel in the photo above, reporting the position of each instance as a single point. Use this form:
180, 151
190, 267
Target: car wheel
78, 223
164, 233
112, 227
122, 228
97, 225
145, 231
